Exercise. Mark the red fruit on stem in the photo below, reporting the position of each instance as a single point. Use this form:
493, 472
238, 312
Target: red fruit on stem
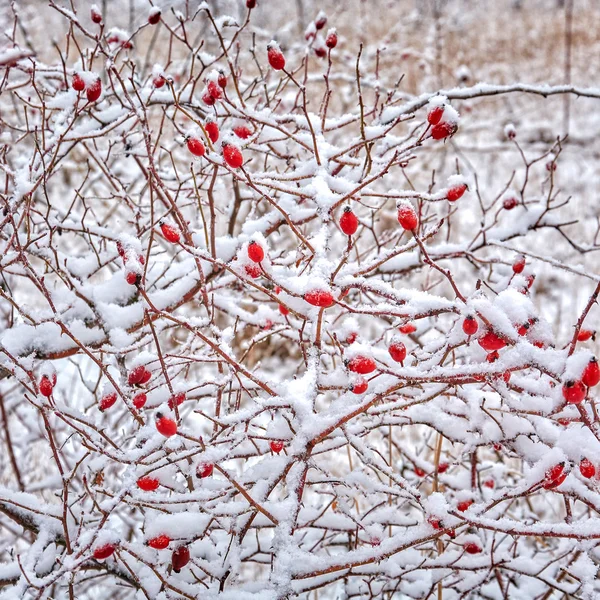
321, 21
321, 52
491, 341
321, 298
148, 484
233, 156
434, 116
523, 329
212, 129
214, 89
145, 378
77, 83
94, 90
176, 399
442, 467
492, 356
255, 252
242, 132
165, 425
107, 401
472, 548
250, 4
555, 476
275, 57
397, 351
361, 365
208, 99
454, 193
159, 81
489, 483
407, 328
585, 334
464, 505
284, 310
359, 386
509, 203
139, 400
407, 217
443, 130
196, 147
332, 39
222, 79
276, 446
574, 392
104, 551
435, 522
160, 542
252, 271
587, 469
45, 386
519, 264
154, 16
348, 221
96, 16
470, 325
351, 337
591, 373
170, 233
419, 472
204, 470
180, 558
133, 278
136, 375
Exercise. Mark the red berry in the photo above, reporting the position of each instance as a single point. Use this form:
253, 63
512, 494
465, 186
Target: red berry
434, 116
321, 298
180, 558
443, 130
490, 342
523, 329
509, 203
359, 386
250, 4
489, 483
351, 337
361, 365
77, 83
242, 132
407, 217
591, 374
492, 356
94, 90
585, 334
96, 16
212, 129
104, 551
255, 252
139, 400
284, 310
196, 147
519, 265
555, 476
464, 505
107, 401
158, 81
165, 425
45, 386
148, 484
176, 399
222, 79
586, 468
204, 470
348, 221
252, 271
233, 156
160, 542
472, 548
321, 52
454, 193
442, 467
332, 39
321, 21
435, 522
145, 378
407, 328
574, 392
136, 375
214, 89
275, 57
208, 99
419, 472
170, 233
154, 16
470, 325
397, 351
276, 446
133, 278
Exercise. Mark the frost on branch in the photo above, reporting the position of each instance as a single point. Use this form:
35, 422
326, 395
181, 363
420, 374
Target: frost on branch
274, 323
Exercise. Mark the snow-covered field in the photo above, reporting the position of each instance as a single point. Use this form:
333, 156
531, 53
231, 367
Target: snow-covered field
299, 299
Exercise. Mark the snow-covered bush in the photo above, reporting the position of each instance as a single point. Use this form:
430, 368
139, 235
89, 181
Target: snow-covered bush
266, 330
